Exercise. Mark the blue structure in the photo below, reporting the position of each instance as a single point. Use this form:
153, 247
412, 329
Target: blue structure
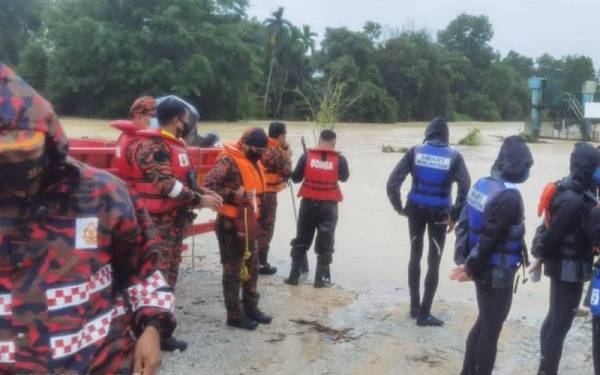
536, 84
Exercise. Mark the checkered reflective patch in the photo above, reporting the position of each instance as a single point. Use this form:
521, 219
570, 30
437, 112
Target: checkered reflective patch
164, 300
7, 352
59, 298
146, 287
5, 304
90, 334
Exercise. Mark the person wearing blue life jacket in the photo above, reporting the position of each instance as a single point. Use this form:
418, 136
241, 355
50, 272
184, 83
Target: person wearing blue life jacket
434, 166
593, 230
566, 252
490, 247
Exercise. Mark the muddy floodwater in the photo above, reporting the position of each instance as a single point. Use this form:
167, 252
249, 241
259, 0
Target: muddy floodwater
367, 310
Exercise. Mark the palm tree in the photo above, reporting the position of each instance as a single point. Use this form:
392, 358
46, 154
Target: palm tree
308, 39
277, 27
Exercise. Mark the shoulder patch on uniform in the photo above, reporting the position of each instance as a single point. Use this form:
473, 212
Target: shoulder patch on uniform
86, 233
184, 161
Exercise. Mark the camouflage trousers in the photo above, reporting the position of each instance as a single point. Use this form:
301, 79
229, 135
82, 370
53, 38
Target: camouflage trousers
171, 239
266, 226
231, 247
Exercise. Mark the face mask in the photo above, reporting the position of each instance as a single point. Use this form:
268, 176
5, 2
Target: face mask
154, 123
21, 177
253, 155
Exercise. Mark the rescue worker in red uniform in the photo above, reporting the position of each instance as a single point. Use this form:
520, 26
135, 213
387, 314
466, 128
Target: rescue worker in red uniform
278, 168
142, 110
159, 171
80, 287
239, 178
320, 170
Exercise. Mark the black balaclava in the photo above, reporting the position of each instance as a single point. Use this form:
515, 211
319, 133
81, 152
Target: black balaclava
255, 138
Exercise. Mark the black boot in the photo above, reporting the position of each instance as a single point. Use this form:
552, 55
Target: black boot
294, 273
429, 321
267, 269
171, 344
304, 264
243, 322
259, 316
322, 276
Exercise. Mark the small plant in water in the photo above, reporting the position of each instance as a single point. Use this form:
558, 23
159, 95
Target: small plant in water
473, 138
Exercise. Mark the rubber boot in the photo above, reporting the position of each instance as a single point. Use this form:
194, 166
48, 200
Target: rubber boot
171, 344
267, 269
304, 264
243, 322
259, 316
294, 273
322, 276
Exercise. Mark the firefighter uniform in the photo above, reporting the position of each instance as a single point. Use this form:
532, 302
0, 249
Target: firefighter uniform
236, 226
278, 167
79, 279
157, 169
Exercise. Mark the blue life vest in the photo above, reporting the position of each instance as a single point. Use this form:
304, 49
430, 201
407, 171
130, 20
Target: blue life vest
509, 254
431, 178
595, 300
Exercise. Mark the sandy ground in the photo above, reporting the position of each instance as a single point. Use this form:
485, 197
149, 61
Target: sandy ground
369, 304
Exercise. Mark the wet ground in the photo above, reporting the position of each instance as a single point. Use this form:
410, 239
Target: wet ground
370, 301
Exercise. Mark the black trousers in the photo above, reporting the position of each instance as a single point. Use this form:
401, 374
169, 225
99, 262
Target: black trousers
437, 237
596, 343
482, 343
564, 301
320, 217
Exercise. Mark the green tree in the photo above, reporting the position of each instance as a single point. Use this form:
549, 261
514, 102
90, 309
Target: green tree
21, 19
470, 36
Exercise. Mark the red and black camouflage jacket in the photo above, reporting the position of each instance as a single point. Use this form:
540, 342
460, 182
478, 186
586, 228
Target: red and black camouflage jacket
78, 261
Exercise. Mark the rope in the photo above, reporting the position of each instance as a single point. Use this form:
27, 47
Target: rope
244, 274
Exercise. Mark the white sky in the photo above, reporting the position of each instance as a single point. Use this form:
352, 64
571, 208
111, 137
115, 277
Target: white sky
530, 27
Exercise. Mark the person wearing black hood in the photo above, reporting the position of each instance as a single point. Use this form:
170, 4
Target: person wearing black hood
490, 247
566, 251
433, 166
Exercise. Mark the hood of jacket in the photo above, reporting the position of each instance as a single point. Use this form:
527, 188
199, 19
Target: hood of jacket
22, 108
585, 158
437, 132
514, 160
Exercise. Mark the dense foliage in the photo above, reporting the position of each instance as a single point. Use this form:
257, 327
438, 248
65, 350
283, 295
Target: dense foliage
93, 57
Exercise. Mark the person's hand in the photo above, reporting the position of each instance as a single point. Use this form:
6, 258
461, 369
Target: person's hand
147, 352
535, 266
212, 201
460, 274
239, 194
451, 224
401, 212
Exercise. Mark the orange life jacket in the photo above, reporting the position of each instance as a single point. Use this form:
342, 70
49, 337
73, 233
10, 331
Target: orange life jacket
152, 198
321, 176
274, 183
252, 180
544, 204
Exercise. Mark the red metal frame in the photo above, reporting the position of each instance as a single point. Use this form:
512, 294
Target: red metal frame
101, 153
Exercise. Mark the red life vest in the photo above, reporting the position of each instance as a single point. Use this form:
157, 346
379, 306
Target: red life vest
321, 176
128, 129
152, 198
